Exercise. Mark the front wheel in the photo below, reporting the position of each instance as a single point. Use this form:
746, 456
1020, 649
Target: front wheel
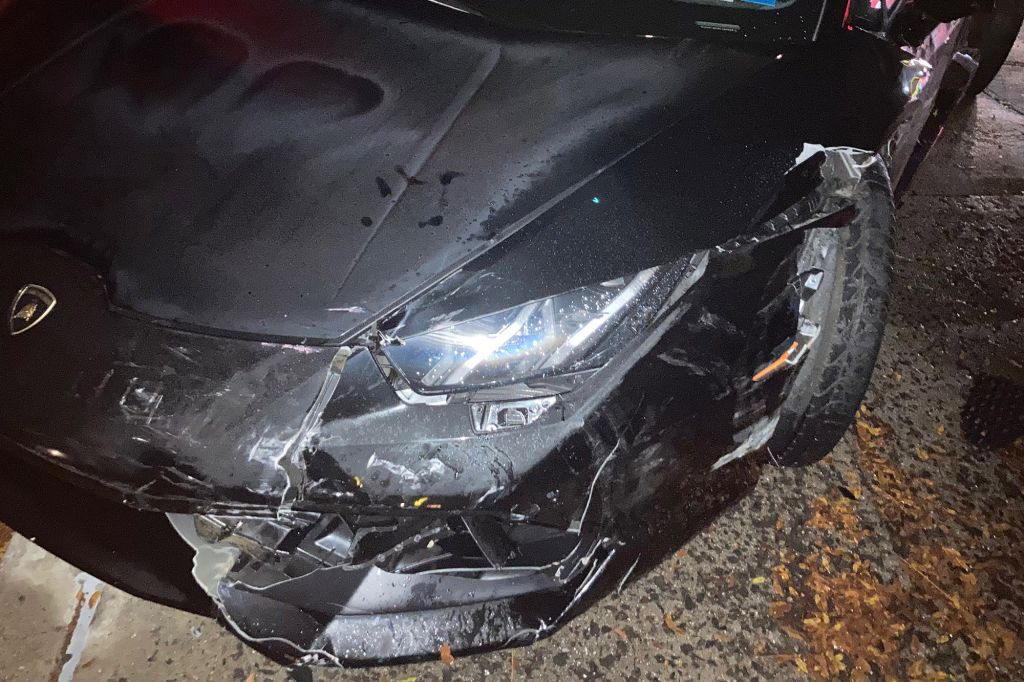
856, 262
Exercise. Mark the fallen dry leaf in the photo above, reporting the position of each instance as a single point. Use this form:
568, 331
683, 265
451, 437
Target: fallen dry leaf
671, 624
854, 621
446, 655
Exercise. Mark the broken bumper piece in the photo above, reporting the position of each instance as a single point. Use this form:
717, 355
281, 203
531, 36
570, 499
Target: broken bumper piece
377, 589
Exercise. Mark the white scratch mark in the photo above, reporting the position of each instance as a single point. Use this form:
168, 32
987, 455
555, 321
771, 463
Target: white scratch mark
90, 591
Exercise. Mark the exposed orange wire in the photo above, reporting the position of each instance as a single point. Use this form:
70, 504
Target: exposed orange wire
776, 363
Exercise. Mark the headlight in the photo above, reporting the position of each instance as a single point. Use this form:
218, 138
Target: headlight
562, 334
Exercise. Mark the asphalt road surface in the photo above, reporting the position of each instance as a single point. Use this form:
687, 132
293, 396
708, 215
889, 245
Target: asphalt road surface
900, 556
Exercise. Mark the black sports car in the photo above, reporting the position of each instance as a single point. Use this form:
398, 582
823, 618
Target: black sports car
380, 327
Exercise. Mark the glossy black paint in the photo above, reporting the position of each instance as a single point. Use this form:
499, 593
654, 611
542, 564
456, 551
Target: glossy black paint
135, 551
223, 196
201, 156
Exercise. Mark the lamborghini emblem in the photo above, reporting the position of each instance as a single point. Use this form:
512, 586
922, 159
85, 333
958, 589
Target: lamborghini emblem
30, 307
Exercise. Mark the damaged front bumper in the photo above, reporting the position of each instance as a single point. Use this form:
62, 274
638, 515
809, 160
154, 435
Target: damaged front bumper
337, 518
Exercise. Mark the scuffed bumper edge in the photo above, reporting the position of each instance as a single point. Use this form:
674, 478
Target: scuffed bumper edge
290, 635
135, 551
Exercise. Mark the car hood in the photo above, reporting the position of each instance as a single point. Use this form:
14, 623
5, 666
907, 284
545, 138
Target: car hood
292, 170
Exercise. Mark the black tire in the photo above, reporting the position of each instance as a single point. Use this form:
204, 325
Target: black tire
831, 382
993, 34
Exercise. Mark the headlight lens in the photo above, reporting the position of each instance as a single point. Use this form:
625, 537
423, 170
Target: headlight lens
561, 334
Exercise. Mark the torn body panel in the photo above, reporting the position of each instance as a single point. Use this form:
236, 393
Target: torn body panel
540, 543
269, 426
326, 487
